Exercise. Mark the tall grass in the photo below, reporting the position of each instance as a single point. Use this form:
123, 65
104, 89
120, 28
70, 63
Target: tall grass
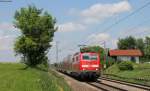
140, 74
14, 78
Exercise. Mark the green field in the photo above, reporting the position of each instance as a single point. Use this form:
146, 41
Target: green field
140, 74
14, 78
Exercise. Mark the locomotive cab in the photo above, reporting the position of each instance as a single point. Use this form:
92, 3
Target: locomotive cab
89, 64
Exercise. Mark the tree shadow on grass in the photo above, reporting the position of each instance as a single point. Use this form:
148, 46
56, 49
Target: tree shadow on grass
24, 68
34, 67
41, 69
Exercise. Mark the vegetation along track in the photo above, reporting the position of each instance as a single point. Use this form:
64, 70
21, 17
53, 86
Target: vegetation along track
126, 85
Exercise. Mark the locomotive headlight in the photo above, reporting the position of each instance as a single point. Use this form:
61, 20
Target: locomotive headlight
96, 69
85, 65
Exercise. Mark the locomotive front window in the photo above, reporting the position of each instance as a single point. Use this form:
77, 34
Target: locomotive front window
93, 57
89, 57
86, 57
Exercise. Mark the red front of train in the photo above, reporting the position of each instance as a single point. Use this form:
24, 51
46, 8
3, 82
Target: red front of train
89, 62
83, 65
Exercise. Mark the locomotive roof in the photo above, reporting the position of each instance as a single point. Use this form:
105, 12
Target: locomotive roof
82, 52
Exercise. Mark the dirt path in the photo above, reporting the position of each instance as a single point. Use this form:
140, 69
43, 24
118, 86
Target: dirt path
77, 85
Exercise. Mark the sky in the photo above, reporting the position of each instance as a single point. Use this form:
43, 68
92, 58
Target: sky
79, 22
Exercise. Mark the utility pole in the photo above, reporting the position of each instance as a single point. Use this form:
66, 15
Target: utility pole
57, 58
105, 55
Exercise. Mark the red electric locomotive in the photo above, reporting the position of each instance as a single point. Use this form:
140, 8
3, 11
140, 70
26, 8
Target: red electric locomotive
82, 65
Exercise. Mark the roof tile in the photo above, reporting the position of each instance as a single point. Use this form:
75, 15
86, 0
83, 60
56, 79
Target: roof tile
132, 52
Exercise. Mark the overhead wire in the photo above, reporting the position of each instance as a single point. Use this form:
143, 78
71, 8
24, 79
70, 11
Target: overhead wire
117, 22
122, 19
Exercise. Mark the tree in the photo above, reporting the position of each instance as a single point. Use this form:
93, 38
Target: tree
147, 41
140, 44
131, 43
147, 48
147, 52
37, 31
127, 43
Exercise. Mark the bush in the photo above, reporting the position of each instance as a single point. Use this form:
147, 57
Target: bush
125, 65
143, 60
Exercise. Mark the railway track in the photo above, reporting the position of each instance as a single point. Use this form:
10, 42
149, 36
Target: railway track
105, 87
108, 84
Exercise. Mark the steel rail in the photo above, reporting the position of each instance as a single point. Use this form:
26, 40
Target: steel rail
105, 87
144, 87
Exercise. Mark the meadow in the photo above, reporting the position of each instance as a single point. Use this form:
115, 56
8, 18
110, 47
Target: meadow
140, 74
13, 77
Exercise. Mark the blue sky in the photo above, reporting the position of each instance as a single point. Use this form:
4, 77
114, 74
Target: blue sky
78, 21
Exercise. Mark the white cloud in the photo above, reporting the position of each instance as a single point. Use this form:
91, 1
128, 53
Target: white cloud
98, 38
7, 29
70, 26
6, 49
8, 33
99, 11
7, 26
6, 43
94, 14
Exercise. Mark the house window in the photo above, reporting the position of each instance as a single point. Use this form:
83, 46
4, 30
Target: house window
133, 59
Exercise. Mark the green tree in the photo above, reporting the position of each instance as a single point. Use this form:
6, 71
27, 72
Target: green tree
147, 40
147, 48
147, 52
127, 43
140, 44
37, 31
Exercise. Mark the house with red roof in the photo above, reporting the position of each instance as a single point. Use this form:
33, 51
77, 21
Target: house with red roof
126, 55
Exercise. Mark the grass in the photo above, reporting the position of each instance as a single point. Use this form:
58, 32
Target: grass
140, 74
14, 78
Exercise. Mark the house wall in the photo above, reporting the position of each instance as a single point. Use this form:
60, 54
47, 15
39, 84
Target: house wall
137, 59
128, 58
123, 58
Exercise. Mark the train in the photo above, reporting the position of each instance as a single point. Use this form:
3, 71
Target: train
82, 65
